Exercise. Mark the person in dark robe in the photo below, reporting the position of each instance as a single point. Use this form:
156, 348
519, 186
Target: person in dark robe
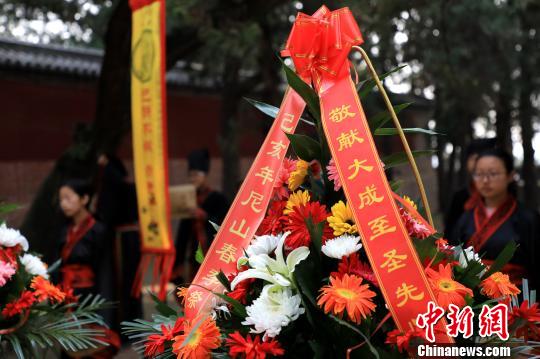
85, 251
212, 206
459, 201
116, 207
496, 218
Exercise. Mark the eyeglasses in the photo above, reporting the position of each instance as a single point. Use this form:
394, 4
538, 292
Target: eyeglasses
489, 176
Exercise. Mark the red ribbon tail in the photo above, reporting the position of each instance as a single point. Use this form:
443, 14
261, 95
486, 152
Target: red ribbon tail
162, 264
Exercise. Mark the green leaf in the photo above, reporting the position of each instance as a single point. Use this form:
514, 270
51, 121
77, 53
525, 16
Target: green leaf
215, 225
270, 110
316, 233
16, 344
502, 259
199, 256
390, 131
400, 158
425, 249
358, 331
367, 85
383, 117
238, 308
396, 184
305, 147
8, 207
54, 266
304, 90
162, 307
224, 280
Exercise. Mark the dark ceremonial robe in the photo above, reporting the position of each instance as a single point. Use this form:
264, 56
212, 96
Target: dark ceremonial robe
522, 226
117, 208
456, 209
193, 231
87, 268
462, 201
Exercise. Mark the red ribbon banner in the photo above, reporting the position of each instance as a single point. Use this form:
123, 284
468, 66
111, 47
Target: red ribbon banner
320, 46
247, 210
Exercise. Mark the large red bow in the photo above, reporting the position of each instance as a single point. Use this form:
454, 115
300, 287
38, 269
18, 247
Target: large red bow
319, 44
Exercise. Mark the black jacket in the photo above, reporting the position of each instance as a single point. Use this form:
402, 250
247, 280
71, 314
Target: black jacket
523, 227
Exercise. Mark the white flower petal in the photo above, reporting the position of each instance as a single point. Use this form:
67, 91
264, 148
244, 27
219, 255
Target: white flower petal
261, 261
279, 249
262, 245
281, 280
296, 256
275, 308
341, 246
34, 265
252, 273
11, 237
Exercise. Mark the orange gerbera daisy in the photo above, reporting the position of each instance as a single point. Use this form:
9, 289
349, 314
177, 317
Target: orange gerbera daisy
498, 285
197, 341
447, 291
347, 293
44, 289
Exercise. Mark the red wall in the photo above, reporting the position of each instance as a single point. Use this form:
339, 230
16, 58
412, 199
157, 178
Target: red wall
38, 118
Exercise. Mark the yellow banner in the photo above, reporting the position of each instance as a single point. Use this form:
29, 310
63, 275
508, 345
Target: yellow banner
149, 128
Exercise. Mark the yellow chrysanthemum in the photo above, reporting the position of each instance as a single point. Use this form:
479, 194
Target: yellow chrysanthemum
342, 220
410, 201
296, 178
296, 199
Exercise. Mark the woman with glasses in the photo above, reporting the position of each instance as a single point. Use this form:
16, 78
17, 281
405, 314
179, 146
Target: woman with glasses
496, 218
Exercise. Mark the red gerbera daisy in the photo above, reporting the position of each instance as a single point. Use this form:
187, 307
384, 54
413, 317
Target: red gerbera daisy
527, 319
281, 189
10, 254
297, 224
156, 342
274, 220
402, 340
353, 265
252, 348
25, 301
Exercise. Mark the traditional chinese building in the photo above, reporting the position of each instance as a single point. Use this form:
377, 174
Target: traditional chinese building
45, 90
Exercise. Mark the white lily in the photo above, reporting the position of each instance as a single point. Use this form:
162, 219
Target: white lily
265, 244
276, 271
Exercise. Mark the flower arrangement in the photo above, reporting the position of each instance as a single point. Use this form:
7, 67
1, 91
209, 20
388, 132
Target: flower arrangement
304, 286
36, 315
305, 283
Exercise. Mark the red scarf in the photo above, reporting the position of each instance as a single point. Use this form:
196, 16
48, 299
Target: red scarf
74, 235
76, 275
485, 227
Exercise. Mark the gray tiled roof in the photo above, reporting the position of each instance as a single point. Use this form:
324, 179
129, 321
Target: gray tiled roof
73, 61
50, 58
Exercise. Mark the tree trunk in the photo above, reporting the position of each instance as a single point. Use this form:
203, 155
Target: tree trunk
229, 127
526, 117
113, 113
504, 118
